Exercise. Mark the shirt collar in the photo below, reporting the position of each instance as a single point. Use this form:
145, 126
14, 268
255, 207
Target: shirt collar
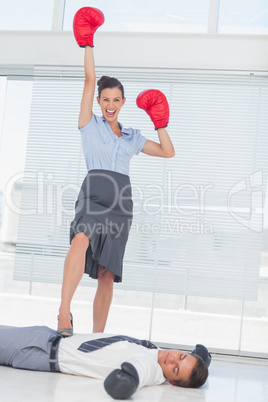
126, 132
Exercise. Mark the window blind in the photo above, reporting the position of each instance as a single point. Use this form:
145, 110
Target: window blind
197, 227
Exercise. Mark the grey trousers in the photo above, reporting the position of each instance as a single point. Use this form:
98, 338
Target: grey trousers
26, 348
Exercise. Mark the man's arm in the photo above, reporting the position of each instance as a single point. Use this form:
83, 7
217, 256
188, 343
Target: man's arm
135, 373
121, 384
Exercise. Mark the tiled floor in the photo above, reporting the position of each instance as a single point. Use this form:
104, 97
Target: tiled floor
228, 382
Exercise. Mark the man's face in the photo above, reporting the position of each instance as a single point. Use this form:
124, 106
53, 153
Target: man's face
176, 365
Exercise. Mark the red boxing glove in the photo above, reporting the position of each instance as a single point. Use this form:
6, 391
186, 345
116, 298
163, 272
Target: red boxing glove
85, 24
155, 105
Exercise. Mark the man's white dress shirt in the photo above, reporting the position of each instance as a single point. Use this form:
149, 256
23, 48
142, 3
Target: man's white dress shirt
99, 363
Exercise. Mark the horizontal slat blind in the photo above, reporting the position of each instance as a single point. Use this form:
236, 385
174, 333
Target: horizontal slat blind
197, 217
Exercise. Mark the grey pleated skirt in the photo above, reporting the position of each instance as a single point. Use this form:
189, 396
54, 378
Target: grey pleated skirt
103, 211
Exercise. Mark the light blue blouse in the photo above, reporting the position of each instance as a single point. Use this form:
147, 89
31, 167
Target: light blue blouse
103, 149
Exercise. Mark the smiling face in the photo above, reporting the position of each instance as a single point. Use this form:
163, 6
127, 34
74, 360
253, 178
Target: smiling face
176, 365
111, 101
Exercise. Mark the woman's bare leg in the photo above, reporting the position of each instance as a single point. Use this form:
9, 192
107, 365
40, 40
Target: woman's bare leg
103, 299
73, 271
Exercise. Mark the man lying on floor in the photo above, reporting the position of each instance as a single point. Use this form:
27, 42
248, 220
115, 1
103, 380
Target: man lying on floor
125, 363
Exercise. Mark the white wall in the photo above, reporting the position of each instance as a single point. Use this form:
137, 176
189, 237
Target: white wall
200, 51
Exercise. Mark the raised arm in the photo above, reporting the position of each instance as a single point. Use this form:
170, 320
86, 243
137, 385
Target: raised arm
163, 149
86, 21
156, 106
89, 88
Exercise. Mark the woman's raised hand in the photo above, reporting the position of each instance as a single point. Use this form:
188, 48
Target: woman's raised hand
86, 22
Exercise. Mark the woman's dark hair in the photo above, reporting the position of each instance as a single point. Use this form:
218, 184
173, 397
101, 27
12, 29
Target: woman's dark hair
198, 377
109, 82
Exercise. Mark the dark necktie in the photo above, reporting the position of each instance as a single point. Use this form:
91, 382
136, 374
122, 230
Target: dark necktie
96, 344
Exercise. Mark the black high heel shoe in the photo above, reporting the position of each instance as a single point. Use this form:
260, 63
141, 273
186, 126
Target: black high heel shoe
65, 332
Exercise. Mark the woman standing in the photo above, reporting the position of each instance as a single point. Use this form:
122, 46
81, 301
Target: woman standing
103, 211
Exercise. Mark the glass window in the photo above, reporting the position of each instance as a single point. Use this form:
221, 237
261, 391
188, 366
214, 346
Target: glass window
16, 113
3, 81
220, 323
26, 14
242, 17
214, 322
146, 15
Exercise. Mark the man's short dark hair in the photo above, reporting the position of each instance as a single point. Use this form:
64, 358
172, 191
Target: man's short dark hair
198, 377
